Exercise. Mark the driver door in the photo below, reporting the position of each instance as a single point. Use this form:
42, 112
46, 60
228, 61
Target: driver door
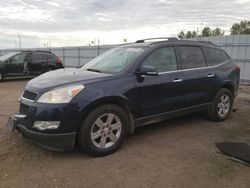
15, 65
164, 92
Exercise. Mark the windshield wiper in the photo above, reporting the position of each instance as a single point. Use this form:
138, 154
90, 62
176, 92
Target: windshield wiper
94, 70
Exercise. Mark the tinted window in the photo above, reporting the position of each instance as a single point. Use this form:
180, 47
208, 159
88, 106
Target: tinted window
164, 59
18, 58
7, 56
215, 56
38, 57
191, 57
50, 57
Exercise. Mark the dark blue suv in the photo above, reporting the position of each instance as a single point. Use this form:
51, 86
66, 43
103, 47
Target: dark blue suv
132, 85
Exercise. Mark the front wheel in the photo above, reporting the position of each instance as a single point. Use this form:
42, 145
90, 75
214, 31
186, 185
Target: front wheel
1, 76
220, 109
103, 130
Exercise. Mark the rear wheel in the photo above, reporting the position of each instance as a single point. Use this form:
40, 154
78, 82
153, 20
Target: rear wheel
48, 69
222, 105
103, 130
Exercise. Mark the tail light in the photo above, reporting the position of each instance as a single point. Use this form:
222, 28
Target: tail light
59, 61
237, 68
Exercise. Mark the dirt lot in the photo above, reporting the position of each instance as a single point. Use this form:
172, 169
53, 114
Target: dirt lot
175, 153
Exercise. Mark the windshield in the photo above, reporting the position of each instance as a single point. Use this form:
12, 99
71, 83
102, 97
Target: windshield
7, 56
114, 60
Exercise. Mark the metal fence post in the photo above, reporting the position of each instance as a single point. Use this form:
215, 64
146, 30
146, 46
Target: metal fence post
78, 56
98, 50
64, 56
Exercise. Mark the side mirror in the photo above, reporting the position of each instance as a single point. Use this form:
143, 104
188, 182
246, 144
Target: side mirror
148, 70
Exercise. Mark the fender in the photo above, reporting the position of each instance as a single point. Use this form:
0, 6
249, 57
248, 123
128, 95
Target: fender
117, 100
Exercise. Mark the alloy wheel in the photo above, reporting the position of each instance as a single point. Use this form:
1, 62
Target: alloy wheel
223, 106
106, 130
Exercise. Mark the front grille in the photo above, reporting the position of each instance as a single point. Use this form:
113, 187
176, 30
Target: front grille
29, 95
24, 109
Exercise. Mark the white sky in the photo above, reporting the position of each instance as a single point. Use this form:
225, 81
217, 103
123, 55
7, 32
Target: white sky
77, 22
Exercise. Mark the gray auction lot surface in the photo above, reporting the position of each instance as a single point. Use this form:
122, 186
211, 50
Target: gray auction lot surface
174, 153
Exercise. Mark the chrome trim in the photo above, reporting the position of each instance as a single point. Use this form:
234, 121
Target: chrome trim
22, 98
19, 116
210, 75
182, 70
177, 80
170, 71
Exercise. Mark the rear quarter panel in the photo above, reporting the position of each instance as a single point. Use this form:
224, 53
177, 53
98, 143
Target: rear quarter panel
228, 75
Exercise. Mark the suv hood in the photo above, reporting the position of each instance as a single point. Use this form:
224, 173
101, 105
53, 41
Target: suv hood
62, 77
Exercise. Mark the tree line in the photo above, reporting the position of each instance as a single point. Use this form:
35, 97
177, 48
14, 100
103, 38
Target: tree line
242, 28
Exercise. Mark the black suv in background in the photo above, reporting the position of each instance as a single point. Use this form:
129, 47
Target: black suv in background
130, 86
28, 63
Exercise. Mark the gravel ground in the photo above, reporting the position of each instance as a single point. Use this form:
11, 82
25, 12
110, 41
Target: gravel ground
174, 153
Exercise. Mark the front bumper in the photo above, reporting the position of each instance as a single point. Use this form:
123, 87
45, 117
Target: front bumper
70, 115
55, 142
62, 138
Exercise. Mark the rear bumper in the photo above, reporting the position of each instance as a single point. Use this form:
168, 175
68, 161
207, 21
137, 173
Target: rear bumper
55, 142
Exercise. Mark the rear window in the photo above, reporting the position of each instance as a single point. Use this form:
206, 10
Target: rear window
215, 56
191, 57
38, 57
50, 57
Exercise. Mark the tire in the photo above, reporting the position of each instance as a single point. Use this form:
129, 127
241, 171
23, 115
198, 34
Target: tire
222, 105
1, 76
96, 135
48, 69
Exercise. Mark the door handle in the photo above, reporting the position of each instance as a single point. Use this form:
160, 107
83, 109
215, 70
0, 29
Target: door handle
177, 80
210, 75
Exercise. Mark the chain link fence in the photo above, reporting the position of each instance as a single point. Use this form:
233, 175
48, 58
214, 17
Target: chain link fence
238, 47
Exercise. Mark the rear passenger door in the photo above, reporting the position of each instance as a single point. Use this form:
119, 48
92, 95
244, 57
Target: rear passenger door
51, 59
164, 92
216, 69
38, 62
196, 83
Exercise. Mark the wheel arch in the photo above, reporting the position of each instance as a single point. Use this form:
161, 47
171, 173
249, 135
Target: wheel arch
115, 100
47, 67
51, 66
3, 72
229, 85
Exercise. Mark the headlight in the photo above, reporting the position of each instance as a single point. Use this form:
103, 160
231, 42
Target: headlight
60, 95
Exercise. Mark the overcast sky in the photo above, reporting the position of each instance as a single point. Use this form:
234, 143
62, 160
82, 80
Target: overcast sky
77, 22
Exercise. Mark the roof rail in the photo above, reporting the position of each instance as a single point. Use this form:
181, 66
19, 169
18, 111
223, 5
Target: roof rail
47, 51
160, 38
23, 50
208, 42
42, 51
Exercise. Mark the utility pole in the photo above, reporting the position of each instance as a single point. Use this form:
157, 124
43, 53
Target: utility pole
16, 44
20, 42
